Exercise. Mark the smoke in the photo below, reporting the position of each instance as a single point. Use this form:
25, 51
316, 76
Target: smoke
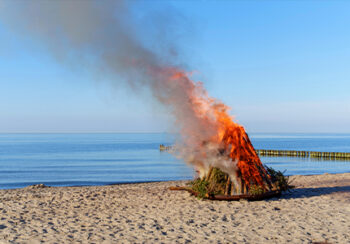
104, 37
96, 33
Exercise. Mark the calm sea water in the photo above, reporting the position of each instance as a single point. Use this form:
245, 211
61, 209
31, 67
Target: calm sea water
100, 159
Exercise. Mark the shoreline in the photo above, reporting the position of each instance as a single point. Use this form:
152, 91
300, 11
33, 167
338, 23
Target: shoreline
317, 210
102, 185
142, 182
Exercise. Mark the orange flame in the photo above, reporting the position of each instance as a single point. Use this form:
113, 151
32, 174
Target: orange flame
237, 142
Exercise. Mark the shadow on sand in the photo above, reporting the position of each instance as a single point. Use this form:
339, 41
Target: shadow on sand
312, 192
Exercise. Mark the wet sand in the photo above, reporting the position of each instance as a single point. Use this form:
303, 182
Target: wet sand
318, 210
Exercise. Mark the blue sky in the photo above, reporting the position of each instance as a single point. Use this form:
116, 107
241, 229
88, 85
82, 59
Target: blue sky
282, 66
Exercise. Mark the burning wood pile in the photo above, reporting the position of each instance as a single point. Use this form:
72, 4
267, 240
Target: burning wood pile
237, 173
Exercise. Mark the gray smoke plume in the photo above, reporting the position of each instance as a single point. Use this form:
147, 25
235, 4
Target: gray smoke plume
96, 33
103, 37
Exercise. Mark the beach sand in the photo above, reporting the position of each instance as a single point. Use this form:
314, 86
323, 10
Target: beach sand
318, 210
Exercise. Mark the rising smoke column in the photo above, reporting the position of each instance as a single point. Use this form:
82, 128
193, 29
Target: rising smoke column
100, 35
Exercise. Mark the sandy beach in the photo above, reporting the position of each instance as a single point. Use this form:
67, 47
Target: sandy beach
318, 210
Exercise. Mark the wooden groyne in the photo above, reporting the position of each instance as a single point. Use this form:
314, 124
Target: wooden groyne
289, 153
164, 148
307, 154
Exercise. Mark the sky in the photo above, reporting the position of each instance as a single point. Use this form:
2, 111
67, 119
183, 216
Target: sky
282, 66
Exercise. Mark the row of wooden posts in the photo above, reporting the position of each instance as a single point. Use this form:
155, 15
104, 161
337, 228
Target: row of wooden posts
308, 154
164, 148
289, 153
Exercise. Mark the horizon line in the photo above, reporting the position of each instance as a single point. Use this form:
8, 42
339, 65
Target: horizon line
152, 132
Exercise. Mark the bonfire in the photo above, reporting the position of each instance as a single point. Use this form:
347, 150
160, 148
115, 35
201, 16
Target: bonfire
227, 164
250, 179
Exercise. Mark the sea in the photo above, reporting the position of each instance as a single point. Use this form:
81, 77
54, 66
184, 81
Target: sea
113, 158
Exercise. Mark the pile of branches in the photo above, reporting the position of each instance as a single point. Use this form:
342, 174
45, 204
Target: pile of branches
216, 185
